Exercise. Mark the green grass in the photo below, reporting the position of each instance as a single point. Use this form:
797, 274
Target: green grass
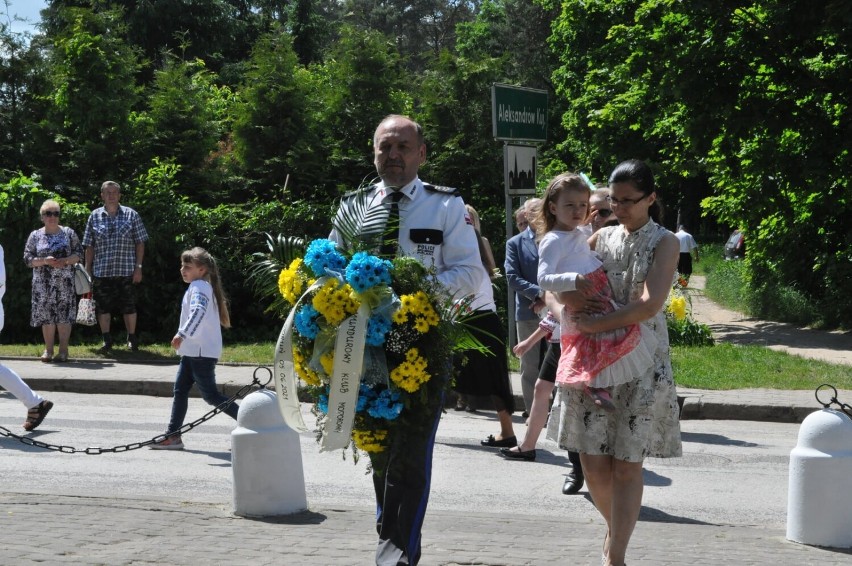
253, 353
726, 366
711, 256
723, 366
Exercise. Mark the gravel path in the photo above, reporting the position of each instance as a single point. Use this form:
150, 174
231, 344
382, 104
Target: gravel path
737, 328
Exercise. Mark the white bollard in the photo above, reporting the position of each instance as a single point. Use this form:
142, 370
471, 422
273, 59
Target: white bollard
819, 503
266, 459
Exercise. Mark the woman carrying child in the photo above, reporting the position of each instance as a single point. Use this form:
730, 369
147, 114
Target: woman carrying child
639, 257
591, 362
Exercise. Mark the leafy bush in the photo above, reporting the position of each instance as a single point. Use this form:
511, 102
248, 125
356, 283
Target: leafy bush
731, 285
688, 332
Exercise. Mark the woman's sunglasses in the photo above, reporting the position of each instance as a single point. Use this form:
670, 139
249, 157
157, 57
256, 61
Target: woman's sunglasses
604, 212
50, 213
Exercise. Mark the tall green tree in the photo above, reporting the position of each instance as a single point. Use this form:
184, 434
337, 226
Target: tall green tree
361, 81
420, 29
272, 138
21, 73
752, 96
216, 31
187, 116
86, 135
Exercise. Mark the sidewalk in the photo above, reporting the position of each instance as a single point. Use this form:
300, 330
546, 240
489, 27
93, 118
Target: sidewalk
90, 530
157, 380
736, 328
110, 377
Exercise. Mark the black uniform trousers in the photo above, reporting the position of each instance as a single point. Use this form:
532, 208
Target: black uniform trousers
402, 477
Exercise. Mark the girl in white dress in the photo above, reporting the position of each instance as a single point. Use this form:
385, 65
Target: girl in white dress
591, 362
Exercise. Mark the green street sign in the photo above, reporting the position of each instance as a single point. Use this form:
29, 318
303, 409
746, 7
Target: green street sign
518, 113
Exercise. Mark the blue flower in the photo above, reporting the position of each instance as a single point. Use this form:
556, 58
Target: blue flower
322, 403
365, 395
306, 322
377, 327
386, 406
366, 271
322, 255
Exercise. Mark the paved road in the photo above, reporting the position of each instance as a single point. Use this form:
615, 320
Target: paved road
723, 502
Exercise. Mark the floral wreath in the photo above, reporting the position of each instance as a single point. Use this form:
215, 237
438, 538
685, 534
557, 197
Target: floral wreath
387, 324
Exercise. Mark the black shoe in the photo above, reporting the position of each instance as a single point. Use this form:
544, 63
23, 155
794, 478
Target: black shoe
509, 454
105, 349
525, 415
509, 442
573, 483
132, 343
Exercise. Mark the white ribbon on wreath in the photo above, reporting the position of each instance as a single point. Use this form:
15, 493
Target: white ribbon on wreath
345, 379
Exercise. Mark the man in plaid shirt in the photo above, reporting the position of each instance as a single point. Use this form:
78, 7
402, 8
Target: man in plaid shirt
115, 246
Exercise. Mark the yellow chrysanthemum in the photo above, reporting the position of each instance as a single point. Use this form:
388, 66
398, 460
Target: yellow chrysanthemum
418, 310
411, 374
307, 375
369, 440
291, 284
335, 302
327, 361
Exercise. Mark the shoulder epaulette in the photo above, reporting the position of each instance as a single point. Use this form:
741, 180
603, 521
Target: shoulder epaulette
357, 191
450, 191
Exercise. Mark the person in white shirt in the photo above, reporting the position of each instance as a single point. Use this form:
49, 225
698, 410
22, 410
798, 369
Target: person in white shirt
37, 406
431, 227
203, 311
687, 248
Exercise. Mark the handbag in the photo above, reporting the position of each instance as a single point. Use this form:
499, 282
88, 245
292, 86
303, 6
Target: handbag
86, 311
82, 280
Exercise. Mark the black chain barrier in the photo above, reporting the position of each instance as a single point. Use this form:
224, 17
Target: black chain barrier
845, 407
137, 445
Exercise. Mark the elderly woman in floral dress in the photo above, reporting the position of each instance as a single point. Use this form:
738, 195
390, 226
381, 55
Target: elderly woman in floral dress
51, 252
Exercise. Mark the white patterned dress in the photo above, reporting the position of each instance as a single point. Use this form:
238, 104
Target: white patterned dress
645, 422
53, 297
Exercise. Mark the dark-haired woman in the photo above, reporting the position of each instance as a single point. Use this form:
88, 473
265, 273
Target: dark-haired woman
640, 258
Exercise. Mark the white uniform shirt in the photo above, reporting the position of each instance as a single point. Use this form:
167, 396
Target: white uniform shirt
433, 228
199, 322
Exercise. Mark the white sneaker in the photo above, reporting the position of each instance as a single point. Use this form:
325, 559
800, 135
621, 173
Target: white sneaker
171, 443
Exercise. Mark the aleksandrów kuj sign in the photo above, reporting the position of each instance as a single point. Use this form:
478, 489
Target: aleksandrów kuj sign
518, 113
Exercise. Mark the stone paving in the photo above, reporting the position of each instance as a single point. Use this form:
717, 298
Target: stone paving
115, 531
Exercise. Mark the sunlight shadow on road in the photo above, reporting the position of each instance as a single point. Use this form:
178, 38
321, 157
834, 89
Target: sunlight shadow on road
718, 439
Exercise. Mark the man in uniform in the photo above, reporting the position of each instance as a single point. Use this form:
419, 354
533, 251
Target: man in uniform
431, 228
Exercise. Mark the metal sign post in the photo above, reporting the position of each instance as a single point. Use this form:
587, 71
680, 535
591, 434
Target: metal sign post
518, 114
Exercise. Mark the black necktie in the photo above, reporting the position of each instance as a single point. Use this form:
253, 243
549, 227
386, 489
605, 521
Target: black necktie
390, 243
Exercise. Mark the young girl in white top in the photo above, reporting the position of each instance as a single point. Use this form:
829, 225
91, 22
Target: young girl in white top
592, 362
203, 311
